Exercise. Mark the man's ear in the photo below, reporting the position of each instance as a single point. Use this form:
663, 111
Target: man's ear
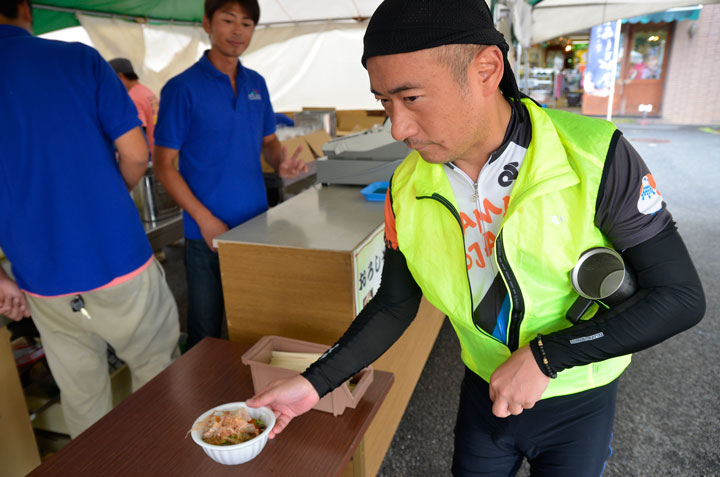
486, 70
206, 24
25, 13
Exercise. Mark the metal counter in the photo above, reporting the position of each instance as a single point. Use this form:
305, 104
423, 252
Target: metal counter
164, 232
335, 218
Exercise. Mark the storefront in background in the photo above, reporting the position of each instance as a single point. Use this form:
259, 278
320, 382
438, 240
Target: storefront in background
643, 63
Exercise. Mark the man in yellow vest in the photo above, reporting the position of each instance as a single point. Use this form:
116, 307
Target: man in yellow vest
486, 218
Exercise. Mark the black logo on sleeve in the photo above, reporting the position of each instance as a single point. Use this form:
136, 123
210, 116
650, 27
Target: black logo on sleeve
509, 174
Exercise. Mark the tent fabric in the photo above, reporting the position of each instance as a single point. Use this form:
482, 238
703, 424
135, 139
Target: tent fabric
312, 69
156, 52
554, 18
674, 15
305, 63
45, 21
55, 14
549, 18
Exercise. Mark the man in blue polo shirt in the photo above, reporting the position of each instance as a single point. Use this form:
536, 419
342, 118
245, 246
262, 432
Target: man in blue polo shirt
216, 117
81, 262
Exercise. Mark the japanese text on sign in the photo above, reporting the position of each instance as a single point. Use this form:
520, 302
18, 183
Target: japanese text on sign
368, 263
598, 73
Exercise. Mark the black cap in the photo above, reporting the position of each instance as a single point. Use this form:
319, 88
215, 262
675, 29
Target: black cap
122, 65
404, 26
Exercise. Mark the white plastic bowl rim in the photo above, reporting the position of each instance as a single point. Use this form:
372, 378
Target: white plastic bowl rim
263, 413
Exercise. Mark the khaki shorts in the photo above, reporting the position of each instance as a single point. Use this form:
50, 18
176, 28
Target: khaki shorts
138, 318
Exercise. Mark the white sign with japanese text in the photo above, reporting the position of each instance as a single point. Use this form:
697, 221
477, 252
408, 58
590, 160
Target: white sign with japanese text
367, 264
601, 61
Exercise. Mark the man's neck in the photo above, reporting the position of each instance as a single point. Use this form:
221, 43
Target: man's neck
224, 64
129, 84
495, 135
16, 22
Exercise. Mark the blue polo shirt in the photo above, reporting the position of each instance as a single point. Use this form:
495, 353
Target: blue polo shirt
219, 135
67, 222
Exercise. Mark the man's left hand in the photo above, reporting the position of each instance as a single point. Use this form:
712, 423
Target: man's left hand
517, 384
291, 166
12, 299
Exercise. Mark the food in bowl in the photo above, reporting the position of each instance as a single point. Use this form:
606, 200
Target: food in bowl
229, 453
226, 428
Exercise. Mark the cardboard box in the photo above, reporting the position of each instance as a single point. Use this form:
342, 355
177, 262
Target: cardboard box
350, 121
316, 141
18, 449
259, 356
291, 145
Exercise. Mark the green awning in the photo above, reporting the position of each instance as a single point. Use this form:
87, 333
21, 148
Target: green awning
672, 15
49, 20
49, 15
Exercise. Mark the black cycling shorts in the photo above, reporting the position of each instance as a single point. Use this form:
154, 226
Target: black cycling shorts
564, 436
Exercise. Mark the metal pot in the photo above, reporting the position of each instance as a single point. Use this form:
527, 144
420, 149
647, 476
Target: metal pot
152, 200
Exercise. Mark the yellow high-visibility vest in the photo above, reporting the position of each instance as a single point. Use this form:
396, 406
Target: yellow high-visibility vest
548, 223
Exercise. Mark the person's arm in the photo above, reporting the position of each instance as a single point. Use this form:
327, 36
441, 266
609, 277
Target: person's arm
118, 119
275, 154
376, 328
372, 332
669, 300
12, 300
164, 160
132, 156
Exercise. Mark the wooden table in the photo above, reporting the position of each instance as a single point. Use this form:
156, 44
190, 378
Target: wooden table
145, 434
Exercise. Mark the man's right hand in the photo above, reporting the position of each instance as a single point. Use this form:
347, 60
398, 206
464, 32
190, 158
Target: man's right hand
211, 227
12, 299
287, 398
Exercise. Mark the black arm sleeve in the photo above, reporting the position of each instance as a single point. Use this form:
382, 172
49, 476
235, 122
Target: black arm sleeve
669, 300
374, 330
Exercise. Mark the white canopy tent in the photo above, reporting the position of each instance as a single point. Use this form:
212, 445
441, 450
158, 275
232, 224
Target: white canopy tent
305, 64
309, 50
554, 18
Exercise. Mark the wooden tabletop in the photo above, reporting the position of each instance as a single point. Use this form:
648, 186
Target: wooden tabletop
145, 434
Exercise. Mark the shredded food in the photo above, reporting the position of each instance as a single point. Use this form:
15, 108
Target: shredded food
226, 428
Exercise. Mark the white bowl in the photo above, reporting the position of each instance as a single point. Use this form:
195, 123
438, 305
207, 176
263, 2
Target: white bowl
237, 453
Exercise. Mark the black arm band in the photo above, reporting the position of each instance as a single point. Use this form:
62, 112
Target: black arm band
669, 300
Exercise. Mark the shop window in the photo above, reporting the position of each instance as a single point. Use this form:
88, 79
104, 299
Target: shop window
647, 54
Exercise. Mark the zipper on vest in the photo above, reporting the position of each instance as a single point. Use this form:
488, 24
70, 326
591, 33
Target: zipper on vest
456, 214
518, 304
